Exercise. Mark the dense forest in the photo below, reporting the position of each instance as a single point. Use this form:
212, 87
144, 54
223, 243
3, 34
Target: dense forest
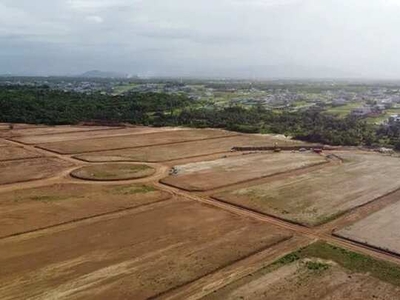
45, 106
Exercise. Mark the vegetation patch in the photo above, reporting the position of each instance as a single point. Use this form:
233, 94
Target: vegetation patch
48, 198
316, 266
355, 262
134, 189
110, 172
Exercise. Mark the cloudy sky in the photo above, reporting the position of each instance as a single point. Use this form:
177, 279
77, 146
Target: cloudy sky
229, 38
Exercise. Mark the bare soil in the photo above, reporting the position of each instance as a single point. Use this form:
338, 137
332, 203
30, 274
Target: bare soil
31, 209
31, 169
136, 256
111, 172
184, 150
298, 281
87, 134
202, 176
380, 230
5, 126
15, 153
320, 196
132, 141
49, 130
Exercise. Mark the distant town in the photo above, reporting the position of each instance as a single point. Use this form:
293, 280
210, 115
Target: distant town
378, 103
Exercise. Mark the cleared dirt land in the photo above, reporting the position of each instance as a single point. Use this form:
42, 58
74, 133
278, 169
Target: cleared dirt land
132, 141
31, 169
113, 172
70, 136
133, 256
62, 203
202, 176
14, 153
6, 126
308, 277
185, 150
380, 230
319, 196
49, 130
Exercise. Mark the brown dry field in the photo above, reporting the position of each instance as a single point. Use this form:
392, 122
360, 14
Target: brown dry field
31, 209
70, 136
203, 176
132, 141
49, 130
320, 196
110, 172
14, 153
297, 281
380, 229
132, 256
31, 169
63, 238
5, 126
184, 150
3, 143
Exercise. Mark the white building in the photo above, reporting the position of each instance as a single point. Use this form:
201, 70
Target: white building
361, 111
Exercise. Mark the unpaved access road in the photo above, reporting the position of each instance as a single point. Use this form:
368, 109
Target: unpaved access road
135, 256
380, 229
26, 210
132, 141
203, 176
320, 196
31, 169
16, 153
49, 130
184, 150
299, 280
85, 134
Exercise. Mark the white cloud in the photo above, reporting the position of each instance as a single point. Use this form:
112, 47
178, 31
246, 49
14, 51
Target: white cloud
94, 5
204, 35
95, 19
262, 3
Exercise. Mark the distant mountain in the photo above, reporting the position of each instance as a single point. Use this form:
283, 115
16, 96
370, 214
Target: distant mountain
102, 74
290, 71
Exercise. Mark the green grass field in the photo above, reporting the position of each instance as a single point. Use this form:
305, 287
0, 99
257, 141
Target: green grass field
124, 88
352, 261
344, 110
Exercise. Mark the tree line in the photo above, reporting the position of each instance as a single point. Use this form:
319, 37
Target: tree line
45, 106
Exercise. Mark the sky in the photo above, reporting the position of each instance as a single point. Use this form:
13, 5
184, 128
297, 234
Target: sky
202, 38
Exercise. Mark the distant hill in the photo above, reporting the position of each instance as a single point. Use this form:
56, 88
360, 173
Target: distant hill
101, 74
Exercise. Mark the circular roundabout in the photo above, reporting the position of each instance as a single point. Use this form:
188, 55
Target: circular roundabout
113, 172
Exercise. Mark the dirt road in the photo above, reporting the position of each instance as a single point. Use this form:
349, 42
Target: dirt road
203, 285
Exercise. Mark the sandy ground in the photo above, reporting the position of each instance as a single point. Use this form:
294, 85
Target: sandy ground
14, 153
62, 203
49, 130
132, 141
64, 238
202, 176
5, 126
70, 136
115, 171
141, 254
319, 196
184, 150
31, 169
381, 229
297, 281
